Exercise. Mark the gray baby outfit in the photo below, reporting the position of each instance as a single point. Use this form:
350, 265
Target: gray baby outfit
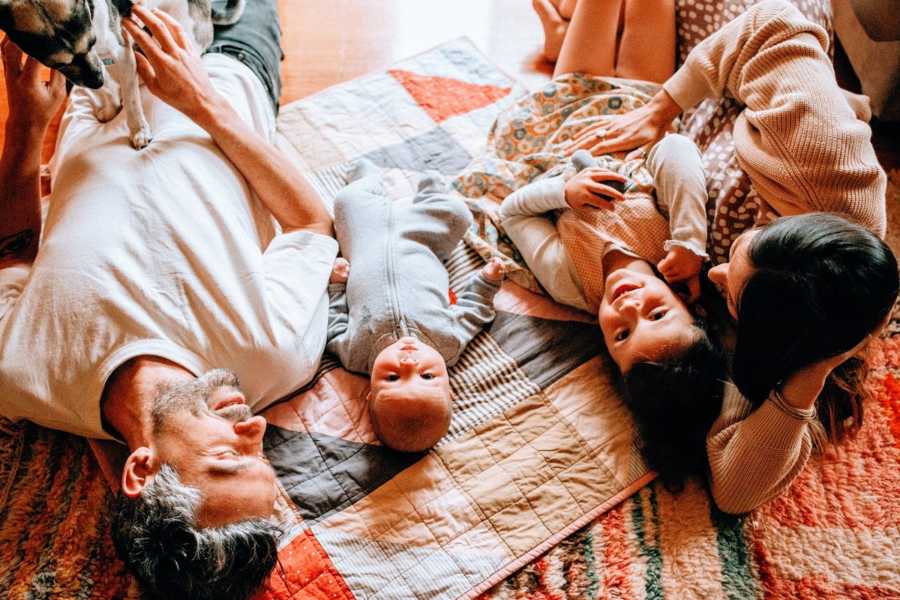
398, 284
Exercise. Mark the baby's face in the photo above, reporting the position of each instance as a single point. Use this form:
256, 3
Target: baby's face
642, 318
410, 365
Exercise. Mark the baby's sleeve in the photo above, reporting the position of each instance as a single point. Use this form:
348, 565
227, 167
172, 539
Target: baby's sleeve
338, 320
473, 310
677, 169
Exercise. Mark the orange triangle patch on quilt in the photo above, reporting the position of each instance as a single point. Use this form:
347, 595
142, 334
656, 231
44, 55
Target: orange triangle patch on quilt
443, 97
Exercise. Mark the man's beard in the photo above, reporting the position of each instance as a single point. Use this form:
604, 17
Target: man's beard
192, 396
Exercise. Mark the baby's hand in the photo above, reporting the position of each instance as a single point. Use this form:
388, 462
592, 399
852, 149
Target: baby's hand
594, 188
682, 265
494, 270
340, 272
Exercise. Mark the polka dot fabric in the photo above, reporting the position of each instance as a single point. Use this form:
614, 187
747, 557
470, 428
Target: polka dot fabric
733, 203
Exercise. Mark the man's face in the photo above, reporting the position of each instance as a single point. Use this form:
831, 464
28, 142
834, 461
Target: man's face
207, 433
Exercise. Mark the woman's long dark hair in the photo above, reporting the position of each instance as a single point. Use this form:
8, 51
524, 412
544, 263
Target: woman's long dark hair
819, 285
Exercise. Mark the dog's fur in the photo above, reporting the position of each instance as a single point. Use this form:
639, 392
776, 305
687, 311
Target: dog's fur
83, 38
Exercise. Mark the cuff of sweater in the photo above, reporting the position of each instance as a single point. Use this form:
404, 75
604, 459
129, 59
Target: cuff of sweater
775, 428
687, 87
691, 245
336, 288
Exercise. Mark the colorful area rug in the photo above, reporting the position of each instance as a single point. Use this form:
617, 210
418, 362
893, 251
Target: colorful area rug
539, 445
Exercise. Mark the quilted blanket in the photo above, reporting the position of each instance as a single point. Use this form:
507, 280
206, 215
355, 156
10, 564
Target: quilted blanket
362, 515
539, 444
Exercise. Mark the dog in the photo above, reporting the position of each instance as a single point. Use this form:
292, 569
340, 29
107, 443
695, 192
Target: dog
83, 40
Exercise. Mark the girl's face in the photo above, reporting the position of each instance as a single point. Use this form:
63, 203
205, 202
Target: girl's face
731, 276
642, 319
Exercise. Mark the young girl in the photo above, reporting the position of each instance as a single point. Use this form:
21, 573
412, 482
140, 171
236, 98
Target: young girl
603, 251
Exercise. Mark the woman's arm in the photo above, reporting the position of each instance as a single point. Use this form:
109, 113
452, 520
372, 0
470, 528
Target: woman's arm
32, 104
754, 456
173, 71
798, 138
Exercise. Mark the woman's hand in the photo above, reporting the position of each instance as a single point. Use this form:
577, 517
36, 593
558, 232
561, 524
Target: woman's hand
586, 189
802, 388
637, 128
170, 64
32, 102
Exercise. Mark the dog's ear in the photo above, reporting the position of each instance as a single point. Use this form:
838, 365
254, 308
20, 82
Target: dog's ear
123, 6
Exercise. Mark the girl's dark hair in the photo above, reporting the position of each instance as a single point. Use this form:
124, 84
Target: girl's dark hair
674, 403
819, 285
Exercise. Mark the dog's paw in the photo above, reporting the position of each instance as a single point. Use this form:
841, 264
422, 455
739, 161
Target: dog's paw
107, 112
141, 138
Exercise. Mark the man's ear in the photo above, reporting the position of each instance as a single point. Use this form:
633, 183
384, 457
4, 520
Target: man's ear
140, 466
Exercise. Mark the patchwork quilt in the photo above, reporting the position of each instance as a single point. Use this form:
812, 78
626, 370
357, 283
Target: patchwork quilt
540, 443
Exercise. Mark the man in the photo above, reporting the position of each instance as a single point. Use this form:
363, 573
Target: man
160, 279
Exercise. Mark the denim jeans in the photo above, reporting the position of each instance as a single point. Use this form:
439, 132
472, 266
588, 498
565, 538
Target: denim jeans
255, 40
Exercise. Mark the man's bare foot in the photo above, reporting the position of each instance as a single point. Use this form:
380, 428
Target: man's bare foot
554, 27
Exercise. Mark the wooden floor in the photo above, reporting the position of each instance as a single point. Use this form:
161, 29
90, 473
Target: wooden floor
330, 41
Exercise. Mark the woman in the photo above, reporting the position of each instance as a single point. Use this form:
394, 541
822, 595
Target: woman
808, 292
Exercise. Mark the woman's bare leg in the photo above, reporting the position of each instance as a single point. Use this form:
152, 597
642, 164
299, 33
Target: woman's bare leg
566, 8
590, 41
554, 25
646, 49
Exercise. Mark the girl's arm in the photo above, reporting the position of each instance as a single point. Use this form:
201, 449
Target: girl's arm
538, 241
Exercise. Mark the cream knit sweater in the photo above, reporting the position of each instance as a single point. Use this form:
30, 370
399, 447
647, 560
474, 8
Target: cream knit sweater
798, 138
804, 149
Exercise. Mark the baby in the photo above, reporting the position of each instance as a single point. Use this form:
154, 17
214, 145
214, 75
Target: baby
391, 315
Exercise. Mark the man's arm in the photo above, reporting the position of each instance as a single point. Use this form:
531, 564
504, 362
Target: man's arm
32, 104
171, 67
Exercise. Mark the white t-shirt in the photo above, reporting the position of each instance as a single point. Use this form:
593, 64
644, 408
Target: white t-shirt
162, 252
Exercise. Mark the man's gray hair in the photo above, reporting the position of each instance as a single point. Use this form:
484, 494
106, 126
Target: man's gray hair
157, 537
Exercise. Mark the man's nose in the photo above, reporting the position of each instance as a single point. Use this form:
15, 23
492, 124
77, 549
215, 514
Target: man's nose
251, 429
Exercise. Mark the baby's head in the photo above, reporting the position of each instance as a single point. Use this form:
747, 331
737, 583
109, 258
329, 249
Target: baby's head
672, 375
409, 399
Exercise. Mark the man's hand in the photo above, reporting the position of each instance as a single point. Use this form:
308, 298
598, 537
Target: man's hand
170, 65
637, 128
340, 272
32, 102
586, 189
682, 265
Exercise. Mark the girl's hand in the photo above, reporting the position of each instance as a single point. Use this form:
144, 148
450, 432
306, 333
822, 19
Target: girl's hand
32, 102
637, 128
586, 189
494, 270
682, 265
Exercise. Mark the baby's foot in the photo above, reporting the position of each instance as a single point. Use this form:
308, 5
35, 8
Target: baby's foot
340, 272
494, 270
554, 27
361, 169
